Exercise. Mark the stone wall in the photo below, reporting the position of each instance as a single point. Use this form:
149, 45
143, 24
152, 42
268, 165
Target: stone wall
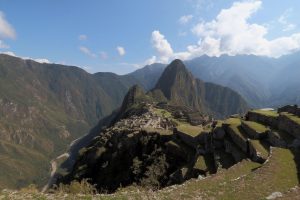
289, 126
187, 139
253, 133
254, 154
237, 139
293, 109
260, 118
236, 153
275, 140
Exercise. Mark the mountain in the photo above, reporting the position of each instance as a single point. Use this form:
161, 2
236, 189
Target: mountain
155, 145
180, 88
43, 107
261, 81
188, 99
247, 74
148, 75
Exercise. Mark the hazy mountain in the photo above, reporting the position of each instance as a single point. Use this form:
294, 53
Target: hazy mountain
262, 81
180, 87
148, 75
43, 107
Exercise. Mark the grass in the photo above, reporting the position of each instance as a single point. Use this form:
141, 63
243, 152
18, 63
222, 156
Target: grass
268, 113
292, 117
259, 128
189, 129
245, 180
233, 121
242, 181
200, 163
260, 148
181, 126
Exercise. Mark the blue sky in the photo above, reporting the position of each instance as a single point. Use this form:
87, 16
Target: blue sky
121, 36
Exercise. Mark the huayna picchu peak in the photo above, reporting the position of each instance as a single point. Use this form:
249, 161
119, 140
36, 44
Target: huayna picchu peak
179, 87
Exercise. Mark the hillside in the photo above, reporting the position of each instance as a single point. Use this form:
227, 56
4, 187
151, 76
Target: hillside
261, 81
43, 107
153, 146
147, 134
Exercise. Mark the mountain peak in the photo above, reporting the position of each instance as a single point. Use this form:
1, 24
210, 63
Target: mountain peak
175, 76
132, 97
177, 65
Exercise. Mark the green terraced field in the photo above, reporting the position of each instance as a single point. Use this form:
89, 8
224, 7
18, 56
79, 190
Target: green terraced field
268, 113
259, 128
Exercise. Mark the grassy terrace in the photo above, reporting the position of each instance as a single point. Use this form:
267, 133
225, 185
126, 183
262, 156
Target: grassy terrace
268, 113
234, 125
283, 135
292, 117
259, 128
279, 174
182, 126
260, 147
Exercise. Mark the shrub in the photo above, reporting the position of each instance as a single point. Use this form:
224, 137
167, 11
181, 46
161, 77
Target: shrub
76, 187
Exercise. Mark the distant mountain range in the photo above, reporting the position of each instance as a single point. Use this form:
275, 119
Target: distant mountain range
180, 87
262, 81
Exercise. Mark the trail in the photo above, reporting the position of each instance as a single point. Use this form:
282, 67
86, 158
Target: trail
53, 176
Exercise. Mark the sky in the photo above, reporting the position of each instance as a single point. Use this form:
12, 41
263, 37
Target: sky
121, 36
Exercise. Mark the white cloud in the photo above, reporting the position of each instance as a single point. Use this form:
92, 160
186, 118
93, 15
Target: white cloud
87, 51
162, 46
9, 53
150, 61
121, 50
229, 33
39, 60
185, 19
6, 30
103, 55
3, 45
283, 20
82, 37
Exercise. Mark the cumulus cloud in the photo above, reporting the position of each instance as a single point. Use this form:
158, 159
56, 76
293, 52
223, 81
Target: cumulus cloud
162, 46
87, 51
121, 50
82, 37
185, 19
6, 30
283, 20
229, 33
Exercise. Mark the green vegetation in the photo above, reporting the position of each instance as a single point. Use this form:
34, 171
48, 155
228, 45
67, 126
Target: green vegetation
292, 117
260, 147
268, 113
189, 129
259, 128
200, 163
233, 121
181, 125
